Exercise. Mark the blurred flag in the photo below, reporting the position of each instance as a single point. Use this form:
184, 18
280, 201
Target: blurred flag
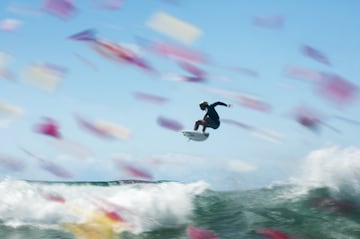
44, 76
272, 22
48, 127
168, 123
11, 163
198, 233
115, 130
113, 51
191, 68
9, 113
173, 27
315, 54
151, 98
61, 8
338, 90
301, 73
272, 233
10, 24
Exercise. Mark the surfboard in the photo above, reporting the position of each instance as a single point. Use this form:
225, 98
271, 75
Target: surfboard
195, 135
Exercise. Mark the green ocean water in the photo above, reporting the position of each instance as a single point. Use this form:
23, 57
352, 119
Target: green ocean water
297, 211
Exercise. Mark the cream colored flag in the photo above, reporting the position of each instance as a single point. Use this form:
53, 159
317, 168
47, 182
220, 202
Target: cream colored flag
173, 27
113, 129
9, 113
43, 77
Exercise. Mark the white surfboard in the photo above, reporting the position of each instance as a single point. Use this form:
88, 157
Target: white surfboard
195, 135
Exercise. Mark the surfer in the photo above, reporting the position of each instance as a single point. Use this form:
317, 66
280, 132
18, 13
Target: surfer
211, 118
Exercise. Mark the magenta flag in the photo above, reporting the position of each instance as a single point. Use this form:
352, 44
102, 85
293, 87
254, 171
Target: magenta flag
338, 90
198, 233
49, 128
272, 233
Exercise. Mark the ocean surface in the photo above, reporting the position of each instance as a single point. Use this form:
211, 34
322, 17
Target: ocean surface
164, 210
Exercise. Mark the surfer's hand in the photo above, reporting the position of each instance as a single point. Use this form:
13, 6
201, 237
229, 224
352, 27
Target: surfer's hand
229, 105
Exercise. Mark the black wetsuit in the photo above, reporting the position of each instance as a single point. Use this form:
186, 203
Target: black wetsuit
212, 117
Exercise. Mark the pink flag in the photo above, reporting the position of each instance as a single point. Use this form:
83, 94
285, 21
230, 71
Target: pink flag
137, 61
338, 90
315, 54
132, 170
177, 52
300, 73
254, 103
53, 197
192, 69
136, 172
198, 233
60, 8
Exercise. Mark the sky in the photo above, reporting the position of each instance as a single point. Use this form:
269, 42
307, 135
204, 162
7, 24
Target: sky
289, 69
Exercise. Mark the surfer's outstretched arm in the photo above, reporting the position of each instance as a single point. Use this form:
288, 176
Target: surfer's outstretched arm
221, 103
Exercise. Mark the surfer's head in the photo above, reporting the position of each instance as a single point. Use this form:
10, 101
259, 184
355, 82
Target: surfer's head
203, 104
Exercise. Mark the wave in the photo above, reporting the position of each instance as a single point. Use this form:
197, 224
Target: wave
323, 201
164, 209
146, 205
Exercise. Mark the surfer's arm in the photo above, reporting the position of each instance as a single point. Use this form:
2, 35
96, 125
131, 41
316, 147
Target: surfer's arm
220, 103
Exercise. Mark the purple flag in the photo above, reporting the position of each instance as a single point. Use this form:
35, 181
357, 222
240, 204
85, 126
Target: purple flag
87, 35
315, 54
169, 123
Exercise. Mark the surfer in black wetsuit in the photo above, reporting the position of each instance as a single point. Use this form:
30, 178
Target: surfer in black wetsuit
211, 118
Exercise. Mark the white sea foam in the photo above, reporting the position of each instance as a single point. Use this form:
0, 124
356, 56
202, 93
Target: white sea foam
333, 167
145, 206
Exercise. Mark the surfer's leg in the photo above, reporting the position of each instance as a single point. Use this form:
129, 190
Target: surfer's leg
204, 128
198, 123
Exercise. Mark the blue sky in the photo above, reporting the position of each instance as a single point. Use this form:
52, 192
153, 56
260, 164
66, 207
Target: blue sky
229, 38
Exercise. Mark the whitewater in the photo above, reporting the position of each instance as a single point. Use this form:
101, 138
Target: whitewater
321, 202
